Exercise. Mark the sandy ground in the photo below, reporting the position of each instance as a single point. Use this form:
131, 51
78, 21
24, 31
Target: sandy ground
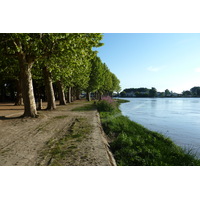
60, 137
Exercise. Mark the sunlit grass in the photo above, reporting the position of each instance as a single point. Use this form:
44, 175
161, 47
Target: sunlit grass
87, 107
132, 144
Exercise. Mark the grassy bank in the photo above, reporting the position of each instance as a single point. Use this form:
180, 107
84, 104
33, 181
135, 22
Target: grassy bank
132, 144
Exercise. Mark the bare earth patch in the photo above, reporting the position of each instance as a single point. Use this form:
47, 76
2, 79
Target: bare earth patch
61, 137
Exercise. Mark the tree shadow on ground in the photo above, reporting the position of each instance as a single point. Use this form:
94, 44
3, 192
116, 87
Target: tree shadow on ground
11, 109
10, 118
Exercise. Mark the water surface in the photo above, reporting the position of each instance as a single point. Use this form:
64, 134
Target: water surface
177, 118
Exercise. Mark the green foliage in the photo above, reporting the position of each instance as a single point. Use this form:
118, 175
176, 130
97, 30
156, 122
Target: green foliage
101, 79
152, 92
121, 101
167, 93
115, 83
105, 106
187, 93
88, 107
140, 90
195, 91
123, 94
96, 75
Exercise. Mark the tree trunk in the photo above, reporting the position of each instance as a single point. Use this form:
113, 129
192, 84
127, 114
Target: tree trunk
3, 93
39, 104
72, 94
61, 93
88, 97
77, 94
51, 104
19, 98
27, 86
12, 91
99, 96
96, 95
69, 99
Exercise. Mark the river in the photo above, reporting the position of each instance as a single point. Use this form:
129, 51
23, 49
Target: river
176, 118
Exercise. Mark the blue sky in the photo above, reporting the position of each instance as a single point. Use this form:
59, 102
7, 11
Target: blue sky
161, 60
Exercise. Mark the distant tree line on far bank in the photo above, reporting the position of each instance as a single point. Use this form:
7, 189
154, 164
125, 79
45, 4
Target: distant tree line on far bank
145, 92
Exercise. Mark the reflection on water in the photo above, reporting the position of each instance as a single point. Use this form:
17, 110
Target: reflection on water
177, 118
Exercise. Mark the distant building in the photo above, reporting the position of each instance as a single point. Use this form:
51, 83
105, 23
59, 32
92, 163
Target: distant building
130, 94
160, 94
147, 92
174, 94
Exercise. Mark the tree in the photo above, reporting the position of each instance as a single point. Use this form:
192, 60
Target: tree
198, 92
123, 94
195, 91
95, 77
167, 93
187, 93
107, 84
115, 83
23, 47
152, 92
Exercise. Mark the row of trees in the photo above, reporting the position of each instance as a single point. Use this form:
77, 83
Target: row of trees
194, 92
139, 92
145, 92
61, 64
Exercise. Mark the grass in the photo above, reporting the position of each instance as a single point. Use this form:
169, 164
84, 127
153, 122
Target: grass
88, 107
57, 150
122, 101
60, 117
134, 145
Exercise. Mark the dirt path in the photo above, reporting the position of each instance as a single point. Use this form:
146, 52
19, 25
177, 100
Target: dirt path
61, 137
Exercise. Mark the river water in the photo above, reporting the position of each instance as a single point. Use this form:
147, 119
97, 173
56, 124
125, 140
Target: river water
176, 118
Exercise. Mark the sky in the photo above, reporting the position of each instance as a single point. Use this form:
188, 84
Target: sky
161, 60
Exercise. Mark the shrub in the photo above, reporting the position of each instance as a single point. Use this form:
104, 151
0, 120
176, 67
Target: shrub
108, 99
107, 104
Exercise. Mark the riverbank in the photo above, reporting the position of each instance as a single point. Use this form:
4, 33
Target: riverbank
72, 135
132, 144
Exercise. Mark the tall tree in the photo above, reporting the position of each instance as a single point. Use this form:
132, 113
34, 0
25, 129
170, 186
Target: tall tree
95, 77
24, 48
167, 93
152, 92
